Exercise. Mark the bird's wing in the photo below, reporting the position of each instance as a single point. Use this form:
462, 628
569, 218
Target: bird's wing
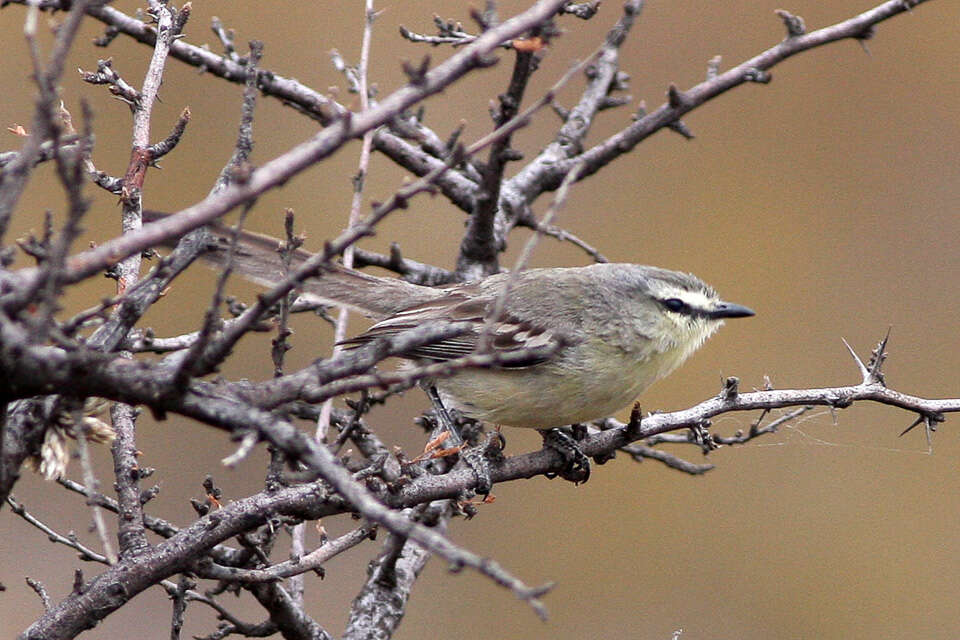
509, 335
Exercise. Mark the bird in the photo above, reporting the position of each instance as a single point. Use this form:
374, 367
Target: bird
615, 329
584, 341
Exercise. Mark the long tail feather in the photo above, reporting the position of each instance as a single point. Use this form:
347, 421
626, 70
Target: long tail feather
257, 258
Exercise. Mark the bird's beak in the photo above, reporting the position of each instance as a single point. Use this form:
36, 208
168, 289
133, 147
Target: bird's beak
731, 310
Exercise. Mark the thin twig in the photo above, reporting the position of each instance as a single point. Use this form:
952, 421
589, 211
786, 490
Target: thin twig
312, 561
41, 591
69, 540
359, 182
93, 486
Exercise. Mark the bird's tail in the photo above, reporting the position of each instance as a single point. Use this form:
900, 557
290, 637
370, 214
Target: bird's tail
258, 259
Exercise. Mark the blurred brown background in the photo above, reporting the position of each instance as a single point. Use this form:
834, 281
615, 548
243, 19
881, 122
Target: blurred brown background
826, 200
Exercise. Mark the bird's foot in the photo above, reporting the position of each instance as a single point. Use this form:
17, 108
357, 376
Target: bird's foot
476, 460
577, 464
481, 459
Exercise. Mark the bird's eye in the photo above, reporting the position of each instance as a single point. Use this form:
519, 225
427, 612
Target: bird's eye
675, 304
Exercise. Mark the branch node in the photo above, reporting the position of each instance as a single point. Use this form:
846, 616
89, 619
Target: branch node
180, 20
633, 426
871, 372
641, 111
678, 126
929, 420
417, 75
757, 75
794, 24
731, 389
78, 583
676, 97
877, 357
713, 67
868, 32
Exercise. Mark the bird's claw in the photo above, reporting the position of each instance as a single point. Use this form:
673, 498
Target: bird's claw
476, 460
577, 465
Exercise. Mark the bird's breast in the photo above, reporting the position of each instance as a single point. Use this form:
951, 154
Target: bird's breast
584, 383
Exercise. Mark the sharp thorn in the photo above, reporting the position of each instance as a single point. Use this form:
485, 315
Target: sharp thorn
863, 369
912, 425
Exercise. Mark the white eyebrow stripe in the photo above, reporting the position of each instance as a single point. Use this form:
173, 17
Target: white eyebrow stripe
694, 299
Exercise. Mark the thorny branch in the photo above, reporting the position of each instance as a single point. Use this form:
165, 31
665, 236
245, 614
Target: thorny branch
132, 534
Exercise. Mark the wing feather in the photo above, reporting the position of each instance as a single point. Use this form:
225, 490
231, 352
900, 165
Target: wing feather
510, 334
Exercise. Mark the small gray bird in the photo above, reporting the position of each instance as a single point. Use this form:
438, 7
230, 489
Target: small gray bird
616, 328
